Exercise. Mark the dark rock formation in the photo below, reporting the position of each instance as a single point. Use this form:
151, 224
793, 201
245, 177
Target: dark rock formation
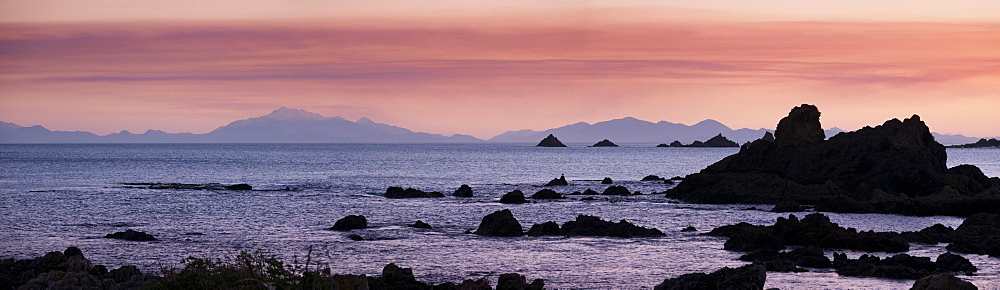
514, 281
651, 178
468, 284
586, 225
813, 230
717, 141
500, 224
978, 234
787, 206
589, 192
558, 181
901, 266
420, 225
463, 191
544, 229
513, 197
67, 270
616, 190
689, 229
979, 144
241, 186
394, 277
550, 141
931, 235
130, 235
746, 277
546, 193
605, 143
893, 168
790, 261
942, 282
399, 192
607, 180
767, 137
350, 222
662, 145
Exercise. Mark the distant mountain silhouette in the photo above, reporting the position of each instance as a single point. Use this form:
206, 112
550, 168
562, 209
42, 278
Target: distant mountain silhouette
632, 130
286, 125
283, 125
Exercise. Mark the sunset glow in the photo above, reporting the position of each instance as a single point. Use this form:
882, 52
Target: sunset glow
480, 70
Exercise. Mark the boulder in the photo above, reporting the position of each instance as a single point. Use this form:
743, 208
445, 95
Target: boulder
651, 178
463, 191
616, 190
746, 277
399, 192
606, 180
513, 197
942, 282
544, 229
586, 225
350, 222
550, 141
896, 167
547, 194
558, 181
978, 234
500, 224
131, 235
605, 143
514, 281
420, 225
949, 262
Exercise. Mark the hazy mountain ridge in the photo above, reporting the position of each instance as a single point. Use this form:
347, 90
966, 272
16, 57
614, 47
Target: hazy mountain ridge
286, 125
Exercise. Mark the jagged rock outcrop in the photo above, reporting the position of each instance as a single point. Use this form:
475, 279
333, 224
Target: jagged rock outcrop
513, 197
896, 167
131, 235
550, 141
746, 277
605, 143
399, 192
500, 224
351, 222
463, 191
558, 181
813, 230
586, 225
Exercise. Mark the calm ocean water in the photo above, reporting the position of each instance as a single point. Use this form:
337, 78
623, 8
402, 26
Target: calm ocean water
55, 196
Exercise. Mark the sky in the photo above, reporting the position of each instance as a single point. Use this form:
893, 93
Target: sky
482, 68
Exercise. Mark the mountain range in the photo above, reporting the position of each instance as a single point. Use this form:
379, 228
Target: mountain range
286, 125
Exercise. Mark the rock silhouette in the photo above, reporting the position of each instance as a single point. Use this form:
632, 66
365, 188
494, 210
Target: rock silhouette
399, 192
420, 225
979, 144
586, 225
746, 277
547, 194
942, 281
500, 224
350, 222
607, 180
463, 191
896, 167
558, 181
130, 235
550, 141
813, 230
513, 197
605, 143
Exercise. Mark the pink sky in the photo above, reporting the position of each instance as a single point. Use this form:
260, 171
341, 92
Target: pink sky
461, 67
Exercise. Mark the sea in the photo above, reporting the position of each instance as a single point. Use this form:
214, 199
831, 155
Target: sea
53, 196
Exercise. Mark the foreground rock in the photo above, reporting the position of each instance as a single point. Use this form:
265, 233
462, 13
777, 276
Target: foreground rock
605, 143
978, 234
463, 191
513, 197
893, 168
746, 277
394, 277
550, 141
130, 235
399, 192
500, 224
901, 266
514, 281
942, 282
813, 230
586, 225
68, 270
351, 222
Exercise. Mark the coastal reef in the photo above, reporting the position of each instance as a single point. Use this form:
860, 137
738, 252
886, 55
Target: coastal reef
896, 167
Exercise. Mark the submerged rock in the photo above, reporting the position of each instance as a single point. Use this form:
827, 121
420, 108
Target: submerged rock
399, 192
513, 197
746, 277
550, 141
241, 186
420, 225
350, 222
463, 191
131, 235
896, 167
500, 224
605, 143
547, 194
689, 229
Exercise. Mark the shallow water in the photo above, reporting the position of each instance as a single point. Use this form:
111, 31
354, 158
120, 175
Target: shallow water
54, 196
